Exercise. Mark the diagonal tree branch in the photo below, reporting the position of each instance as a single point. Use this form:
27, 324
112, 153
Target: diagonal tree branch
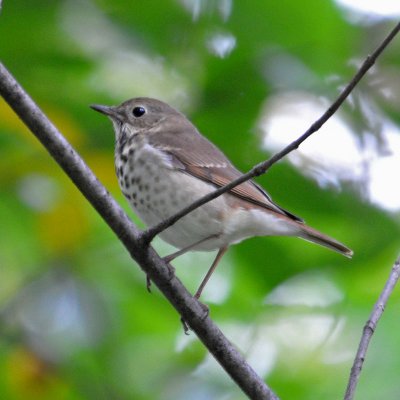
158, 271
262, 167
369, 329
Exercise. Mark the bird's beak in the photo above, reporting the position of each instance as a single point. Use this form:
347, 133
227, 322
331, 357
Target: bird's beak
107, 110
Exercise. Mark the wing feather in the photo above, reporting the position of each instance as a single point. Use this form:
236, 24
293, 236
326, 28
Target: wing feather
193, 154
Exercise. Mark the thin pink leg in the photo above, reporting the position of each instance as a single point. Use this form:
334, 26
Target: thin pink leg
221, 252
188, 248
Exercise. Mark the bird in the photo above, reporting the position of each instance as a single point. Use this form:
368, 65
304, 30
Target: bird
163, 164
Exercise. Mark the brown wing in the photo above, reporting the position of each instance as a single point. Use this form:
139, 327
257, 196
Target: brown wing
195, 155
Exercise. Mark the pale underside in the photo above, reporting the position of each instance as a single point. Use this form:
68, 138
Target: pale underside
165, 190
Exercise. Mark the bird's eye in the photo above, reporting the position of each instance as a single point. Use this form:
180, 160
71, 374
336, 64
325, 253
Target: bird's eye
138, 111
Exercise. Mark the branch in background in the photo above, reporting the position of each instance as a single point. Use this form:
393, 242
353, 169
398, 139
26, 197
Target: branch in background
369, 329
158, 271
262, 167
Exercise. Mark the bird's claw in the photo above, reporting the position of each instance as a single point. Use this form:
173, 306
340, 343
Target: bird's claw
148, 283
206, 310
185, 326
171, 271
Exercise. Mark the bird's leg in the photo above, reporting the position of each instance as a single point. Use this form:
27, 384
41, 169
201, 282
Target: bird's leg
180, 252
217, 259
148, 283
185, 326
220, 253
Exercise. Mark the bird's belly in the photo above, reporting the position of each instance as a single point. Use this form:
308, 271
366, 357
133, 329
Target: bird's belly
177, 190
156, 191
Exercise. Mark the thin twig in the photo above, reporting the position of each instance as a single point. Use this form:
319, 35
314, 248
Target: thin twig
80, 174
369, 330
262, 167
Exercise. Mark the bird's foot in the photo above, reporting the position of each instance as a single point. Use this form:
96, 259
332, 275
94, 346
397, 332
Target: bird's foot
148, 283
171, 269
206, 313
185, 326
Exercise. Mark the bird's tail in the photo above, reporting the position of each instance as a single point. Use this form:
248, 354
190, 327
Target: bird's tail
315, 236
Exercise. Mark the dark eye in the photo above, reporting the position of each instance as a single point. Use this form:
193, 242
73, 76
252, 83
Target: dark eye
138, 111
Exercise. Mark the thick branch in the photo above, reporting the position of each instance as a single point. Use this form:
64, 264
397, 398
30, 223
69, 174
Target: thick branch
80, 174
369, 330
262, 167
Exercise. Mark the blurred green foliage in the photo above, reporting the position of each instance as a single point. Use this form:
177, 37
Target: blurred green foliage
77, 321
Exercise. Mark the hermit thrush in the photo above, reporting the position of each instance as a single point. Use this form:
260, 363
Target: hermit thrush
164, 164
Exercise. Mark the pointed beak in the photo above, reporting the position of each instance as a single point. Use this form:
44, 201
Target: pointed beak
107, 110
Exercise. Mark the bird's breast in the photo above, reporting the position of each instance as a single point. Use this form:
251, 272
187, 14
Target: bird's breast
156, 190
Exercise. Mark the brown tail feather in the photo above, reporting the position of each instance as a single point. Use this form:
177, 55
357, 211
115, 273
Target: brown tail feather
314, 236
